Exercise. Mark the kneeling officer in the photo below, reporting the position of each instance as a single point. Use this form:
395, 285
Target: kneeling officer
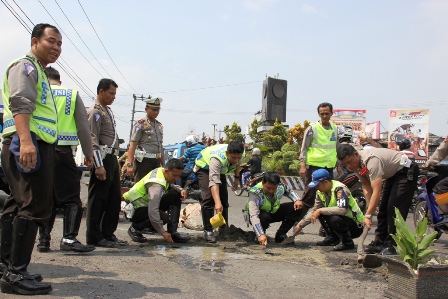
153, 195
337, 211
264, 208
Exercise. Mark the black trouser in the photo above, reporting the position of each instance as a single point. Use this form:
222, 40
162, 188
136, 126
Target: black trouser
144, 167
104, 203
170, 198
309, 195
31, 194
397, 192
285, 213
342, 225
441, 187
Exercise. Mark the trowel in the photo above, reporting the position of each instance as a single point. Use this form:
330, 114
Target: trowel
367, 260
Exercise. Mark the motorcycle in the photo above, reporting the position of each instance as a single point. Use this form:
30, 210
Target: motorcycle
352, 182
427, 206
189, 181
246, 182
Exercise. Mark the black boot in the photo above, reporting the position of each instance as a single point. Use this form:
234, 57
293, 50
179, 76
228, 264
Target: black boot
17, 279
72, 221
45, 234
331, 239
6, 229
282, 231
135, 231
346, 244
209, 236
174, 213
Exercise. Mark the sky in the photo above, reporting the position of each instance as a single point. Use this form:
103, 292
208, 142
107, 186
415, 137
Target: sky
208, 59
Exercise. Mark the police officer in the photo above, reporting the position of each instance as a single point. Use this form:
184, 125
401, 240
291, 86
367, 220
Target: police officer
264, 208
151, 197
212, 165
336, 210
30, 131
104, 203
318, 149
73, 127
400, 174
148, 135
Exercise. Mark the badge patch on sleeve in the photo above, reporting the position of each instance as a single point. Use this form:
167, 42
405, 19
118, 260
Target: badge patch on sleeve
97, 116
136, 128
29, 68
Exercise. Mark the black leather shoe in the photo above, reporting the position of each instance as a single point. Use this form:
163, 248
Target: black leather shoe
117, 241
328, 241
149, 231
322, 232
209, 236
178, 238
43, 246
136, 235
23, 284
344, 246
75, 245
105, 243
280, 238
388, 251
373, 248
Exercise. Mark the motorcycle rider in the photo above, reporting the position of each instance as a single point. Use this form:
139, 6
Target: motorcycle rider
254, 164
194, 147
442, 186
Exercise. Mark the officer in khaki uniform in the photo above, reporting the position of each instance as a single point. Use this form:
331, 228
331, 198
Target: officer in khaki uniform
147, 135
104, 203
30, 117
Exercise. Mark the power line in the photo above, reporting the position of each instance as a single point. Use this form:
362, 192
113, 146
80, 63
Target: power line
16, 15
201, 88
110, 76
105, 48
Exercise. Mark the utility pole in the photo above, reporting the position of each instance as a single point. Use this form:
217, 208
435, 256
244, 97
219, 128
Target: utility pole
133, 112
214, 131
219, 133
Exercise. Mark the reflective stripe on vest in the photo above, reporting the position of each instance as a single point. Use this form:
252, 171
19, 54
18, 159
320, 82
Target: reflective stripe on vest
66, 102
322, 151
218, 152
353, 212
265, 204
138, 195
43, 120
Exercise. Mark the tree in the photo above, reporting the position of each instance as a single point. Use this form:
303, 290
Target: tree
253, 134
298, 131
233, 133
276, 137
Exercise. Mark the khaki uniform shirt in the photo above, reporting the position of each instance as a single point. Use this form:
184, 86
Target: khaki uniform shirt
440, 153
149, 136
82, 125
379, 162
102, 126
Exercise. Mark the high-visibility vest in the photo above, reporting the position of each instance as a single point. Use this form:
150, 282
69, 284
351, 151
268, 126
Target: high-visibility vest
353, 212
138, 195
65, 99
265, 204
43, 120
322, 151
219, 152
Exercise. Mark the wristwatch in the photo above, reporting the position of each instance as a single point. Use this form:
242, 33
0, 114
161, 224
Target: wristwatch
368, 216
129, 164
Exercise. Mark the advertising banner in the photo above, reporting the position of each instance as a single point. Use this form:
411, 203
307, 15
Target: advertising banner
413, 125
354, 118
373, 129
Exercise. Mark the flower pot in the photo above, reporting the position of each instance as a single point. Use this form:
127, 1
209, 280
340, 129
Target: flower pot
429, 281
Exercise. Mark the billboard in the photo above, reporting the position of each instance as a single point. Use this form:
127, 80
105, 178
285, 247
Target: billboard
354, 117
411, 124
373, 129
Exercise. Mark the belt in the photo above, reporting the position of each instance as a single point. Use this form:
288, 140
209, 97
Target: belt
112, 151
156, 156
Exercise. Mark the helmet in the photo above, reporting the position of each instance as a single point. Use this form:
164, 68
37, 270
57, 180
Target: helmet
345, 131
191, 140
404, 144
256, 151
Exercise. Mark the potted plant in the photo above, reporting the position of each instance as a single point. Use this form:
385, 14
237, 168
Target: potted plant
410, 275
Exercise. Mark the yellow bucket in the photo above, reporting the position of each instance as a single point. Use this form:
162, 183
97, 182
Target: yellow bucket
217, 220
442, 199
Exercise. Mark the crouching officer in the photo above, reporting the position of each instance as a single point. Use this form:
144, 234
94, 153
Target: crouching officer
264, 207
151, 197
337, 211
